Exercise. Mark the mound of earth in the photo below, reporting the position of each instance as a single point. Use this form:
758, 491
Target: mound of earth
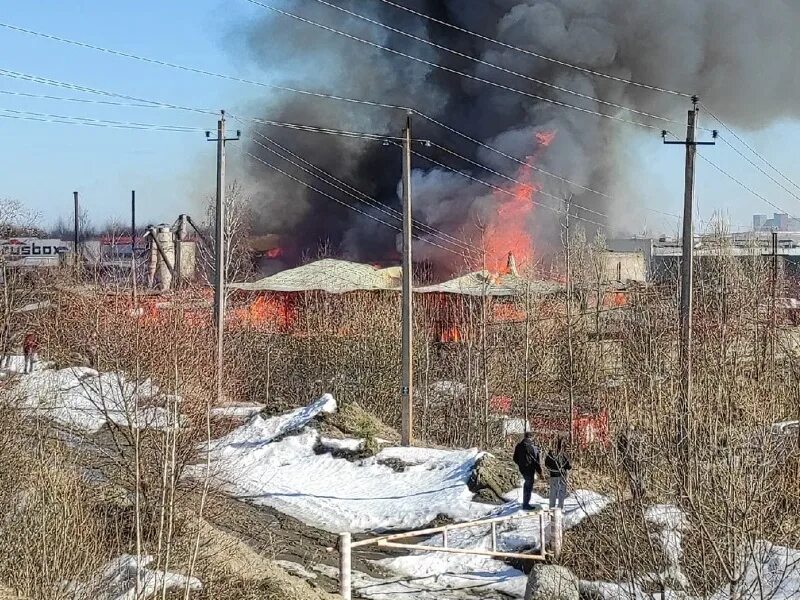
493, 478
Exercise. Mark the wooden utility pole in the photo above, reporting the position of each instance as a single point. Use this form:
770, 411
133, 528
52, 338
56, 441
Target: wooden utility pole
219, 240
684, 409
407, 374
134, 269
76, 233
570, 354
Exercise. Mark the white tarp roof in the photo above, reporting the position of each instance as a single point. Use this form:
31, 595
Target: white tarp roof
328, 275
339, 276
483, 283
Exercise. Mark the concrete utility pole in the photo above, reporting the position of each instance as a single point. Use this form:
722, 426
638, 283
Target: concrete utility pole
134, 270
219, 240
76, 233
407, 375
685, 399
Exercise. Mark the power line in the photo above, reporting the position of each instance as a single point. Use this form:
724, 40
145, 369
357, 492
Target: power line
494, 66
501, 190
748, 146
760, 170
528, 164
743, 185
338, 201
80, 88
365, 197
361, 197
737, 181
196, 70
52, 82
70, 120
532, 188
454, 71
78, 100
315, 129
538, 55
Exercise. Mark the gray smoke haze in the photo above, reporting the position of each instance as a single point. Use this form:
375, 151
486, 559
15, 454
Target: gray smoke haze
741, 57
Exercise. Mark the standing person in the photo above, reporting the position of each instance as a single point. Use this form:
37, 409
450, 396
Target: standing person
558, 465
528, 460
30, 346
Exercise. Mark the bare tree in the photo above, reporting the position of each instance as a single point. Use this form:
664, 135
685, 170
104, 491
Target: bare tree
237, 229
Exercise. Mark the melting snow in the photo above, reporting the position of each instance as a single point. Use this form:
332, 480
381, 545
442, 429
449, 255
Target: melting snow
117, 581
83, 399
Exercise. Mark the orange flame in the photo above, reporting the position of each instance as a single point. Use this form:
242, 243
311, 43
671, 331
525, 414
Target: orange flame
274, 252
508, 230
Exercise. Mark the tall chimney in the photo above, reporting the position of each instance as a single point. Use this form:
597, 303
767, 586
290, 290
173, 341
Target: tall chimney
511, 265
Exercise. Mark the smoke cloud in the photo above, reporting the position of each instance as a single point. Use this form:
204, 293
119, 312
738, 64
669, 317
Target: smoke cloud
739, 56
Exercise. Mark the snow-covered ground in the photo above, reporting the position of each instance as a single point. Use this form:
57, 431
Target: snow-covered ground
261, 463
83, 399
273, 462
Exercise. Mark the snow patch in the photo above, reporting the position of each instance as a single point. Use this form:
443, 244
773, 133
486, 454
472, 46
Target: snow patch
117, 581
83, 399
261, 463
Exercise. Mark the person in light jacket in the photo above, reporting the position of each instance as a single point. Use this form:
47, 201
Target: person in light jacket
558, 466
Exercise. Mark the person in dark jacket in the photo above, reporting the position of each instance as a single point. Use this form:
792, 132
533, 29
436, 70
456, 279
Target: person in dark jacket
528, 460
558, 466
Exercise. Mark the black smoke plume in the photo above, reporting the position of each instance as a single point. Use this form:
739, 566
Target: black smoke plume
739, 56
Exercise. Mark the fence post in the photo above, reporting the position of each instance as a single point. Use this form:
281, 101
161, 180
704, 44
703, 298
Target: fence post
345, 566
557, 533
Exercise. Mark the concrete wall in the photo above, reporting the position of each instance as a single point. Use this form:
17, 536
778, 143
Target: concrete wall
624, 266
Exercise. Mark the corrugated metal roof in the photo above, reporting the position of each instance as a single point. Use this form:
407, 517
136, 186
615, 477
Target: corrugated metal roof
328, 275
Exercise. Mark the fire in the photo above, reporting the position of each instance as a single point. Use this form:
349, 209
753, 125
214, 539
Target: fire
451, 334
276, 252
508, 231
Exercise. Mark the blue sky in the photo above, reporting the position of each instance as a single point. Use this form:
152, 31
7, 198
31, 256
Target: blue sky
172, 172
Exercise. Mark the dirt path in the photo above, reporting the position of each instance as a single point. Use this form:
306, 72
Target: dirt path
280, 537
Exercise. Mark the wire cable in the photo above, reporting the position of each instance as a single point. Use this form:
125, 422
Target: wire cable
748, 146
531, 188
527, 164
538, 55
494, 66
338, 201
69, 120
504, 191
366, 198
196, 70
361, 197
80, 88
454, 71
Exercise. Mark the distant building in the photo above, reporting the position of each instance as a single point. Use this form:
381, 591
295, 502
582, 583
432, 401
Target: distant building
779, 222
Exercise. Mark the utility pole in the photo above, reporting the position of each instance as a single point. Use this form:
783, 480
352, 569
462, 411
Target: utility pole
219, 240
570, 355
76, 233
684, 411
134, 270
407, 375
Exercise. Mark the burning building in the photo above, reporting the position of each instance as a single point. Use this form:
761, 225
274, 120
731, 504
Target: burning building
550, 96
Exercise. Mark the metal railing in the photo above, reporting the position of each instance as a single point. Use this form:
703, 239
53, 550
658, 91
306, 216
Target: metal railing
346, 544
